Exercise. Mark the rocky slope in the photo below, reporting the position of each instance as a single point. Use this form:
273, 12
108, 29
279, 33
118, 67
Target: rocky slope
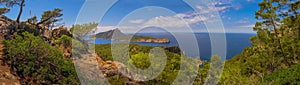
6, 29
6, 76
10, 27
91, 64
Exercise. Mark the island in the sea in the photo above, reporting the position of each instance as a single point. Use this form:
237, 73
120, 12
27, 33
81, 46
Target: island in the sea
117, 35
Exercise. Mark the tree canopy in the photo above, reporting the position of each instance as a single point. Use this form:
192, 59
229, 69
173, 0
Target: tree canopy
49, 18
11, 3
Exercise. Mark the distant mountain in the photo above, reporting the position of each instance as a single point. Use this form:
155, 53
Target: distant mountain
116, 34
109, 34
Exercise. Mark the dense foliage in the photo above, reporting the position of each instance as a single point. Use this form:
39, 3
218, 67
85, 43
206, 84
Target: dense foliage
28, 51
64, 41
140, 58
288, 76
35, 61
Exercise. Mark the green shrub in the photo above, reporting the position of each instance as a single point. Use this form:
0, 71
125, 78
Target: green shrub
116, 80
140, 60
290, 76
28, 28
35, 61
64, 41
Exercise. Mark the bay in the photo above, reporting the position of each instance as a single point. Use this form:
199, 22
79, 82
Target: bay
236, 42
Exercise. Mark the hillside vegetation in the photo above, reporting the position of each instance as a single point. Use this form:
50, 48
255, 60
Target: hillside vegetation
34, 52
274, 49
37, 53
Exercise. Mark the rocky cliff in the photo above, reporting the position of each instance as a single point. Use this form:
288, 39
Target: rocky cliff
154, 40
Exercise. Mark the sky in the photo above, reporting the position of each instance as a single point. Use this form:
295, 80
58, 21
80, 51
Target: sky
237, 16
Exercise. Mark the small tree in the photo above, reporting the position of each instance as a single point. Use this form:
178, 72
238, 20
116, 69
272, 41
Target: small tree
11, 3
270, 22
32, 20
84, 30
50, 17
81, 35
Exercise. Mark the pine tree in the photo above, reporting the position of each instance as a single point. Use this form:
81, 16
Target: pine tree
271, 22
50, 17
11, 3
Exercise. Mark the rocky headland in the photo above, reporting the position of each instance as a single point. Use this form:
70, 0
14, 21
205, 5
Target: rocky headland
117, 35
154, 40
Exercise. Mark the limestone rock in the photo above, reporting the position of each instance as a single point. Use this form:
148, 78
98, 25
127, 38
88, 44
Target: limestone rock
58, 32
7, 26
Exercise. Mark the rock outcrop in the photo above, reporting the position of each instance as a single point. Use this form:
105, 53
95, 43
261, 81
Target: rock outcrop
113, 68
97, 68
7, 26
58, 32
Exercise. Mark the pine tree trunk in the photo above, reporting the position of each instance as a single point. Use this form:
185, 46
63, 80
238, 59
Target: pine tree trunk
279, 42
21, 10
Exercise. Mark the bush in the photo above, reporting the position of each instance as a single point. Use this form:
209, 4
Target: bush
35, 61
64, 41
290, 76
140, 60
28, 28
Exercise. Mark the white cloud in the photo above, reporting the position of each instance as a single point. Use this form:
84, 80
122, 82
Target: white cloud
245, 20
240, 30
237, 7
247, 26
138, 21
183, 19
221, 6
165, 22
176, 21
212, 8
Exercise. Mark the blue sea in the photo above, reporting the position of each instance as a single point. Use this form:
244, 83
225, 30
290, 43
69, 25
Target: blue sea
236, 42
